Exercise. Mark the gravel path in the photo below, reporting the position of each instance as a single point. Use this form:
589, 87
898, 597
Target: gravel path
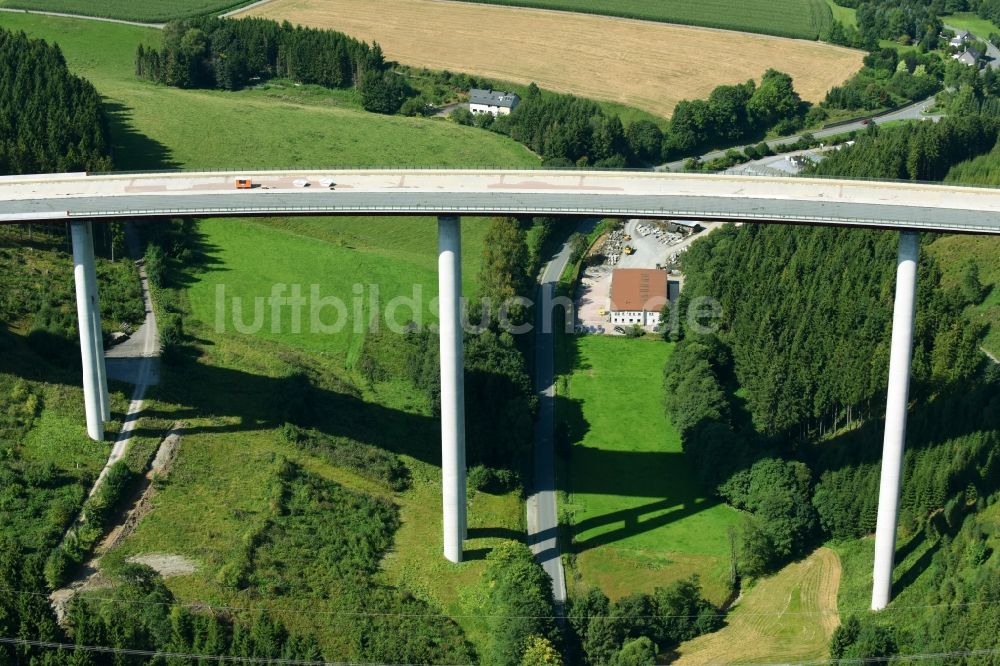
140, 24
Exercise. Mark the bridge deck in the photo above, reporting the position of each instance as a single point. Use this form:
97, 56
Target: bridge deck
890, 205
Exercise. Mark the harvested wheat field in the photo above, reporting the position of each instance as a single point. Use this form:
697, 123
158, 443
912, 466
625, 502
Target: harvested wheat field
787, 617
643, 64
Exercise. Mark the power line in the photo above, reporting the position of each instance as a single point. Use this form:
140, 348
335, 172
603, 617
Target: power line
358, 613
920, 656
184, 655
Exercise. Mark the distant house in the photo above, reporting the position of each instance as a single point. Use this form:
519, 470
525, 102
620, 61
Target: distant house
637, 296
960, 38
970, 57
494, 102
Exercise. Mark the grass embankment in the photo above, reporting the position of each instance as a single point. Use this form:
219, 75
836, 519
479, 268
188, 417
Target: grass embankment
953, 254
788, 616
218, 497
917, 576
47, 462
568, 52
639, 518
147, 11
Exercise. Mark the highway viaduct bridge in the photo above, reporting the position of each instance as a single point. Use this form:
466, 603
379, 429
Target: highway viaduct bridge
907, 208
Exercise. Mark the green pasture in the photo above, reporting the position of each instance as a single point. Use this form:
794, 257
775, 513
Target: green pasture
639, 518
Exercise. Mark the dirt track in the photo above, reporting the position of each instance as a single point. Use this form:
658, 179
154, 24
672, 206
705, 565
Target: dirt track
640, 63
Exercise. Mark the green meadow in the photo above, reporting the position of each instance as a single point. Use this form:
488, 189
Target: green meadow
638, 516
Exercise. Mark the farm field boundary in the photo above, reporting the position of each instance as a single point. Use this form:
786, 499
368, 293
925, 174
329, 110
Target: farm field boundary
556, 49
147, 11
801, 19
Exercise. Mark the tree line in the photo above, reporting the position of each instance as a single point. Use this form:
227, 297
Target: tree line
896, 20
569, 131
50, 120
229, 54
888, 79
924, 151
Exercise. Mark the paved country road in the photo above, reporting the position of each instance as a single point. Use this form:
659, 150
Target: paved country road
543, 520
915, 111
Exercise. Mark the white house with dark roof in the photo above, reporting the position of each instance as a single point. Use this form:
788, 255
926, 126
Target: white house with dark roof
970, 57
960, 38
494, 102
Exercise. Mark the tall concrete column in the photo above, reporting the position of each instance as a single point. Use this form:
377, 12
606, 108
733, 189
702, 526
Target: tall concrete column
900, 358
452, 385
98, 338
86, 302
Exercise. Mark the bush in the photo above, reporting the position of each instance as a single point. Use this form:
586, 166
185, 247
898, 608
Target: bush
156, 265
415, 106
634, 331
57, 568
482, 478
382, 92
171, 334
367, 460
462, 116
518, 603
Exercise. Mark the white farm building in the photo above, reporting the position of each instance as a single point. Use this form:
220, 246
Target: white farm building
494, 102
637, 296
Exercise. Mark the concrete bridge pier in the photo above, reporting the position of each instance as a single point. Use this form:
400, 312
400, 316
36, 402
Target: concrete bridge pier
452, 385
95, 388
900, 358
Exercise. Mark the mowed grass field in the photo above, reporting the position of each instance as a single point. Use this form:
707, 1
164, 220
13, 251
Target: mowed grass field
360, 261
148, 11
805, 19
156, 126
788, 616
643, 64
639, 518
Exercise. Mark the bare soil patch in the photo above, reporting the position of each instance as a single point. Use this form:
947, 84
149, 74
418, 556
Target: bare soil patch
166, 565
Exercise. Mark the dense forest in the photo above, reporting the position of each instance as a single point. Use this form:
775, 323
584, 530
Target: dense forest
50, 120
781, 408
212, 52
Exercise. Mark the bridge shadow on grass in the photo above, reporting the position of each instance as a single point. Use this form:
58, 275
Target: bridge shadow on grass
132, 150
909, 575
664, 477
227, 400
